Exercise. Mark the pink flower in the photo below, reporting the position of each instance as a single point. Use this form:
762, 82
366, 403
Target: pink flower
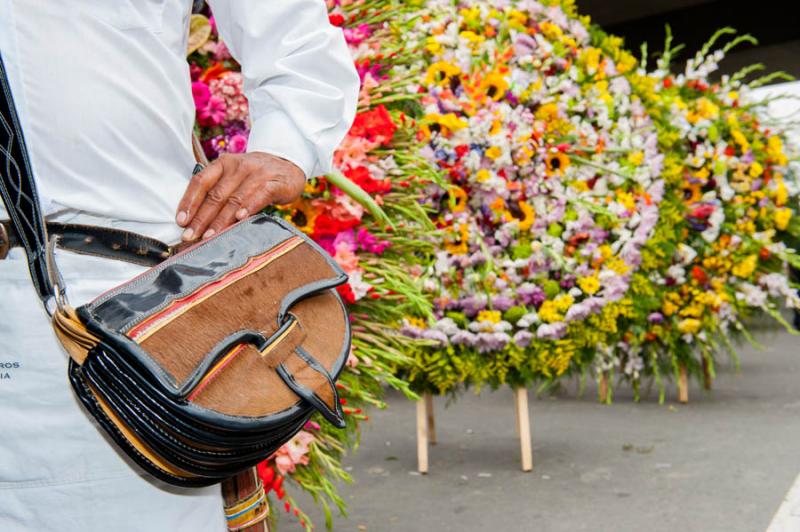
355, 36
346, 258
237, 143
368, 84
352, 360
213, 113
294, 452
222, 52
345, 238
370, 243
353, 151
230, 88
201, 94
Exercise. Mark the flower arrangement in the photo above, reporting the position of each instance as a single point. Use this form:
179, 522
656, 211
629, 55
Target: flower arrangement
553, 187
376, 164
728, 223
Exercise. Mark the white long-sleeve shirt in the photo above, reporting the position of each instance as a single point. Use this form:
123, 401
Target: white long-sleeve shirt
103, 91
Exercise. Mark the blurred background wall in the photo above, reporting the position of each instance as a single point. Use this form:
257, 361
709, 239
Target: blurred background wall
775, 23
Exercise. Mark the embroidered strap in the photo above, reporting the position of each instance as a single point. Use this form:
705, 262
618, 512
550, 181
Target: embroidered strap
18, 191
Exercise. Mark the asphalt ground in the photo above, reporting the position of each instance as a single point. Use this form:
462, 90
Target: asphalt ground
724, 462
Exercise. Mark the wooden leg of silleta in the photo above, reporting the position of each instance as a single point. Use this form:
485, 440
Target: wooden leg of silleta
422, 436
516, 414
602, 387
706, 374
683, 384
246, 504
431, 418
524, 428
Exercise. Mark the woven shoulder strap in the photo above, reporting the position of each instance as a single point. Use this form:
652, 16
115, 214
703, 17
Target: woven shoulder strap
18, 191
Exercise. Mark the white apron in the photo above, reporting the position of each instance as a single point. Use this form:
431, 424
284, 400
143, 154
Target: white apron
57, 470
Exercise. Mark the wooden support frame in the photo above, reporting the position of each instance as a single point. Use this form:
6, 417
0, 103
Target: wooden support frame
602, 388
683, 384
426, 429
422, 433
524, 428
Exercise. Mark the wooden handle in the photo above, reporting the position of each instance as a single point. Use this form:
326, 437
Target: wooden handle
239, 488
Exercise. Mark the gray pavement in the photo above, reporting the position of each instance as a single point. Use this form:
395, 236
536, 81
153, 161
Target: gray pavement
722, 463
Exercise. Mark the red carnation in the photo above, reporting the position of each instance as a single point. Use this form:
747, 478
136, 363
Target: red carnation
327, 225
699, 275
360, 176
374, 125
336, 19
346, 292
702, 212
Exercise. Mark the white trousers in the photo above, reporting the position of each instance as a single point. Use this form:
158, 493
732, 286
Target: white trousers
58, 472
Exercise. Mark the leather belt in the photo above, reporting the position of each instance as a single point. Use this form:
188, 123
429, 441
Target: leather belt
98, 241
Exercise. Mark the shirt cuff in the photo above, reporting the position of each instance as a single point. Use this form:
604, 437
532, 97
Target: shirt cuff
275, 133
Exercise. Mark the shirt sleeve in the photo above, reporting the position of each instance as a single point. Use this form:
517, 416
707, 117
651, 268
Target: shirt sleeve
299, 77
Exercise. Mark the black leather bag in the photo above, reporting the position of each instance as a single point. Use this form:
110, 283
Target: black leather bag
208, 362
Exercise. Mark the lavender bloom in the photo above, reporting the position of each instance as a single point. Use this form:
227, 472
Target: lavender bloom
615, 288
523, 338
578, 312
567, 282
551, 331
655, 317
494, 341
464, 338
524, 44
437, 336
530, 294
502, 303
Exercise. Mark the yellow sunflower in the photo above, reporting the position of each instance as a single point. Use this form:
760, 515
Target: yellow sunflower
302, 215
494, 86
440, 73
556, 162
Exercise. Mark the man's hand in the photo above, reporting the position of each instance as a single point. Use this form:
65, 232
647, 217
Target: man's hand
232, 188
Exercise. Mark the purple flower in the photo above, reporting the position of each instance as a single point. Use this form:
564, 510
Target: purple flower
524, 44
493, 341
464, 338
530, 294
502, 303
655, 317
567, 282
551, 331
473, 304
436, 336
523, 338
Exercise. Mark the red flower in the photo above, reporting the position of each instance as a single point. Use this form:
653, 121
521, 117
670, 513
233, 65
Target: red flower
327, 225
336, 19
346, 292
374, 125
699, 275
360, 176
702, 212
